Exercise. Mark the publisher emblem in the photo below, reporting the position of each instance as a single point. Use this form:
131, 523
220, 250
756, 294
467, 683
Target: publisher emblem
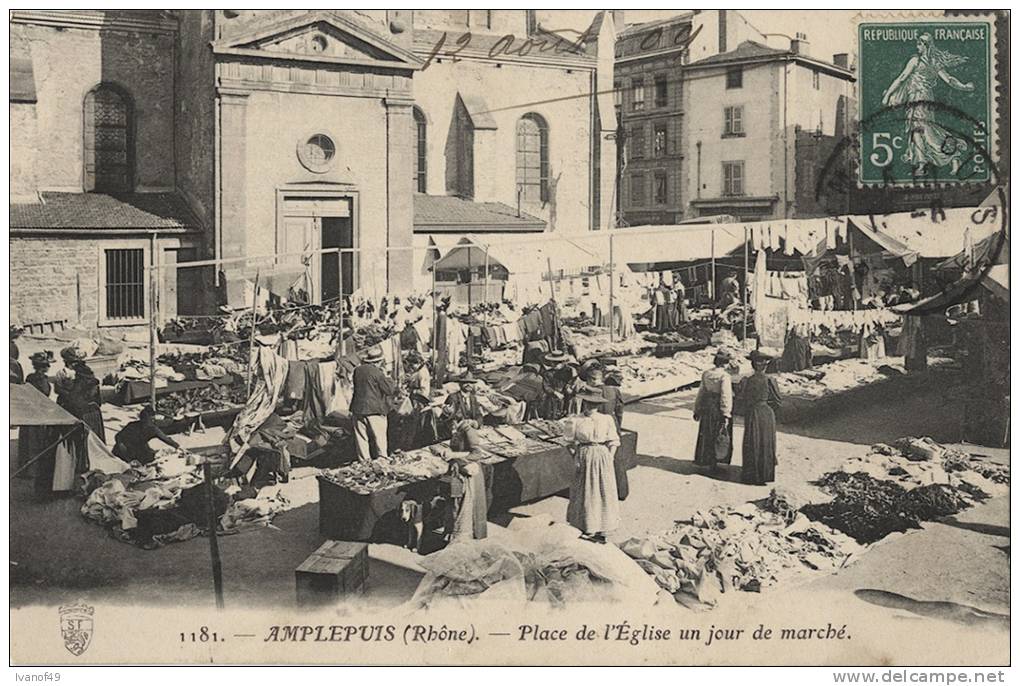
76, 626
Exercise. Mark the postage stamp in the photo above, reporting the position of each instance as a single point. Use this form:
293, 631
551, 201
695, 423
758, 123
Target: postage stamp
926, 99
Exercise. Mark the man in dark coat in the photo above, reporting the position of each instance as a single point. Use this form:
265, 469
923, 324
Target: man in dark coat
370, 405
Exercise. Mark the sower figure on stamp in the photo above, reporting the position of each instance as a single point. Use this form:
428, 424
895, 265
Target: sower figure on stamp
928, 141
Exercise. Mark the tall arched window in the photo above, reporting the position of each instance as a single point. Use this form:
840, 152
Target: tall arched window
533, 158
107, 144
420, 157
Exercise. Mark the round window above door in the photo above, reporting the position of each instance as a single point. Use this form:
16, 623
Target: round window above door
316, 153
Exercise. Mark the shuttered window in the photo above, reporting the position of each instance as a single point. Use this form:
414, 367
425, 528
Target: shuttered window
107, 144
125, 284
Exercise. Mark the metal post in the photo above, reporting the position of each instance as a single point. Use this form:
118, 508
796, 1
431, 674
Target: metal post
758, 295
612, 293
152, 322
214, 545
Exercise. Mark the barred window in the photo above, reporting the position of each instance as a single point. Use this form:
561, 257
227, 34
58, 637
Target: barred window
533, 158
420, 160
125, 284
107, 143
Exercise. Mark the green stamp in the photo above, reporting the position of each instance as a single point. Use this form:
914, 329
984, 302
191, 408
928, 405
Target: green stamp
926, 97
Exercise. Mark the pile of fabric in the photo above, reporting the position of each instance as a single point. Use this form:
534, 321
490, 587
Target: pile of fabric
591, 341
835, 377
165, 501
116, 499
537, 562
252, 513
395, 470
896, 487
643, 376
743, 548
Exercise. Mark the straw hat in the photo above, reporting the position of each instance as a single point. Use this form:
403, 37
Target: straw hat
556, 356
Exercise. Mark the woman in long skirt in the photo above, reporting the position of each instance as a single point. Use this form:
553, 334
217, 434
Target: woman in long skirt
594, 502
712, 410
759, 448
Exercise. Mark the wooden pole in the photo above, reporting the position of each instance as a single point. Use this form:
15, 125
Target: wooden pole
747, 261
612, 293
435, 318
341, 348
486, 294
552, 294
711, 284
251, 335
214, 545
152, 322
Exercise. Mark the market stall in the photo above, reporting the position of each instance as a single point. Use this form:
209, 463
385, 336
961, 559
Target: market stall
361, 504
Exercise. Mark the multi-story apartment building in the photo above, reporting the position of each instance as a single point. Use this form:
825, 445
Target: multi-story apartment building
754, 118
652, 106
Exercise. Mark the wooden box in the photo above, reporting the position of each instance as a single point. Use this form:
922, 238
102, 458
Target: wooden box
335, 570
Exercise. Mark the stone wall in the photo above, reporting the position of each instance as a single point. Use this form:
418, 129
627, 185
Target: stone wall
70, 61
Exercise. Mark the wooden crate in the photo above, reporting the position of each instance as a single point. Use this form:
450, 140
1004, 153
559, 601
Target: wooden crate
337, 569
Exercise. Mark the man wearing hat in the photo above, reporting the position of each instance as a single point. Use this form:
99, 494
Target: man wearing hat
559, 377
370, 405
463, 404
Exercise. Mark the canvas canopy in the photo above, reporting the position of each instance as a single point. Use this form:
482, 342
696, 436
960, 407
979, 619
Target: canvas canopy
522, 257
939, 236
993, 249
29, 407
676, 243
995, 280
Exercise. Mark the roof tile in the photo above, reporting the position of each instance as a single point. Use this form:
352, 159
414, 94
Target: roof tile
92, 211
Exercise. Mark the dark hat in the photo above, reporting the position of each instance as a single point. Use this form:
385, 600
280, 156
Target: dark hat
373, 354
71, 354
467, 377
759, 356
556, 356
530, 366
42, 358
723, 356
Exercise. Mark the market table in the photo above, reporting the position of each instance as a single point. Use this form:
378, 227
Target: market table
348, 516
138, 391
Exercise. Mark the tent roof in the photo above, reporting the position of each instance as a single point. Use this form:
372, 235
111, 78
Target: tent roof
995, 280
675, 243
935, 239
520, 256
29, 407
992, 249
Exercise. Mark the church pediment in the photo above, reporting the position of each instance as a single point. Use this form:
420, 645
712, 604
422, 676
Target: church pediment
320, 37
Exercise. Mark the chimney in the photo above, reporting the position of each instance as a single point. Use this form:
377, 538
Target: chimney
800, 45
618, 21
841, 59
